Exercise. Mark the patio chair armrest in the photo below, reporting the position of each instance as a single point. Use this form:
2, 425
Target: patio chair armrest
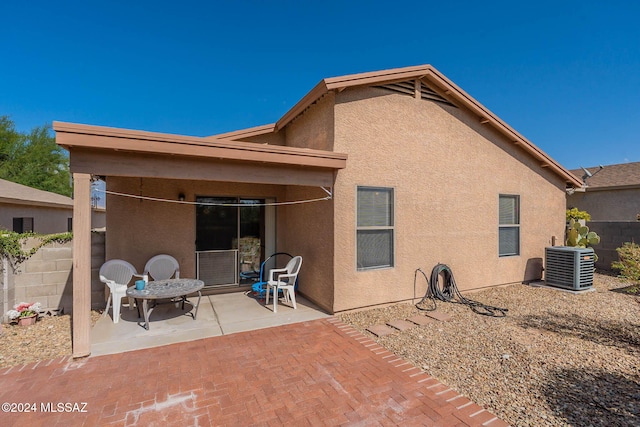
106, 281
285, 276
275, 270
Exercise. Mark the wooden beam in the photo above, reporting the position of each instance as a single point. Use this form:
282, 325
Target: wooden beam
109, 163
484, 120
81, 265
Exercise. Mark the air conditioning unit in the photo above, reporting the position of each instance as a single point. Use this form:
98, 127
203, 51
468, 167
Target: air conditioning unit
568, 267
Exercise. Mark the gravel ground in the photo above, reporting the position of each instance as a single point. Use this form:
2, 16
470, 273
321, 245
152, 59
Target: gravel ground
557, 359
49, 338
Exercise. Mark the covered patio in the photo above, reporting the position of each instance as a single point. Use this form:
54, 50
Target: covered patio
218, 314
177, 168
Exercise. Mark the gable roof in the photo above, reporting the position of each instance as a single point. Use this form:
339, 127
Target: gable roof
11, 192
437, 81
625, 175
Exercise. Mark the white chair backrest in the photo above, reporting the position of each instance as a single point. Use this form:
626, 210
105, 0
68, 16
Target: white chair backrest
293, 266
117, 270
162, 267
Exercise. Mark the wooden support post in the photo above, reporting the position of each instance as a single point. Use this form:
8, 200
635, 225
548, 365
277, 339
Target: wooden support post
81, 319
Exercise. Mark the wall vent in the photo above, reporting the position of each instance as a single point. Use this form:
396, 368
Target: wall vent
408, 88
568, 267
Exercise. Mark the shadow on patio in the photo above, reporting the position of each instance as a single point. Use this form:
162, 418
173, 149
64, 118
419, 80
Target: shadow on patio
218, 314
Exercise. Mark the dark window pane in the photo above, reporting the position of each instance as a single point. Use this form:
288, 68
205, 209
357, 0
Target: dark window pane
509, 241
375, 248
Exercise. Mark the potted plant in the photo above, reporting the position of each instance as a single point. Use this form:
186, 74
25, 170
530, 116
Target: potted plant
25, 313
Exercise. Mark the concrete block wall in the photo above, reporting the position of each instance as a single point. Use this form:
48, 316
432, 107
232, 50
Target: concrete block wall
47, 277
613, 234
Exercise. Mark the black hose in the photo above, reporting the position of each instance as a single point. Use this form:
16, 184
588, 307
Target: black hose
449, 291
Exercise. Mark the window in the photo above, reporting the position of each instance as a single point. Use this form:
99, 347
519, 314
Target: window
22, 225
375, 228
509, 228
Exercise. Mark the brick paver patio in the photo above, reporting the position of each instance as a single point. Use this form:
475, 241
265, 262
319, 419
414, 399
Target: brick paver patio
316, 373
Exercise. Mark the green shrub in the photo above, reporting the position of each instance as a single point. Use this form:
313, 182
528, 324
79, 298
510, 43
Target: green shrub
629, 263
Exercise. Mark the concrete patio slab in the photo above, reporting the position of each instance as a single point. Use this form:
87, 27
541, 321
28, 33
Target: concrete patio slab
219, 314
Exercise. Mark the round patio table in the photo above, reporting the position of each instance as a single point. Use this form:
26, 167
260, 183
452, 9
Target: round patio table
165, 289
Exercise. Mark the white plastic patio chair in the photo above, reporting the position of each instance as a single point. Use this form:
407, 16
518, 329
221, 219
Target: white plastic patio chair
117, 274
162, 267
284, 279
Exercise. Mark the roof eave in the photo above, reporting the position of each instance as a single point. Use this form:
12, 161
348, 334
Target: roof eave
244, 133
71, 135
450, 89
14, 201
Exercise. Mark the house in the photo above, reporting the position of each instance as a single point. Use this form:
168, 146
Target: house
368, 177
611, 193
24, 209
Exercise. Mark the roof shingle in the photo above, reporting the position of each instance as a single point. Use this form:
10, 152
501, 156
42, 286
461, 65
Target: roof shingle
622, 175
11, 192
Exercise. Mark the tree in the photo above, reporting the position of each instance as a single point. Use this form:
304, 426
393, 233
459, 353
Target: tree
33, 159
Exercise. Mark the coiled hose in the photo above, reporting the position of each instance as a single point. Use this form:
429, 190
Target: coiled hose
449, 291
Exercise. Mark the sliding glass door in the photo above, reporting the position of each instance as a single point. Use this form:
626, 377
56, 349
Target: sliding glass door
231, 238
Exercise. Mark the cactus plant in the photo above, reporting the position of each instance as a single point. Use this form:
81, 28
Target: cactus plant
579, 236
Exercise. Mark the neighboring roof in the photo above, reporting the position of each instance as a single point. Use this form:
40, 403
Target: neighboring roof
444, 86
625, 175
19, 194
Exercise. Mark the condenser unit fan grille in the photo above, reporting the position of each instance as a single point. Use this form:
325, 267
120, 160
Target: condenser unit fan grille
569, 267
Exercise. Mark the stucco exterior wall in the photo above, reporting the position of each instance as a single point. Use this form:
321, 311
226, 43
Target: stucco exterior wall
140, 229
315, 127
46, 220
447, 171
308, 229
610, 205
277, 138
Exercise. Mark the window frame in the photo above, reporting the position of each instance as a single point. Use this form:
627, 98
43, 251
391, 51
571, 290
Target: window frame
515, 226
22, 228
391, 228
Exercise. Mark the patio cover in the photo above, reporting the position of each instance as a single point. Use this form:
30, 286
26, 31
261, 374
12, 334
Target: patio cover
104, 151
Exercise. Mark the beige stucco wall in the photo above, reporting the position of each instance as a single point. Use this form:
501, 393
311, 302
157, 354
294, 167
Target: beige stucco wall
140, 229
610, 205
46, 220
308, 229
447, 171
315, 127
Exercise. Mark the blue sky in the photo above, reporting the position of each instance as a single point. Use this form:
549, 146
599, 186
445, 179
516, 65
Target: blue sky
565, 74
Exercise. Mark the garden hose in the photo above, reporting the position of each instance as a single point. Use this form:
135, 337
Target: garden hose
449, 293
